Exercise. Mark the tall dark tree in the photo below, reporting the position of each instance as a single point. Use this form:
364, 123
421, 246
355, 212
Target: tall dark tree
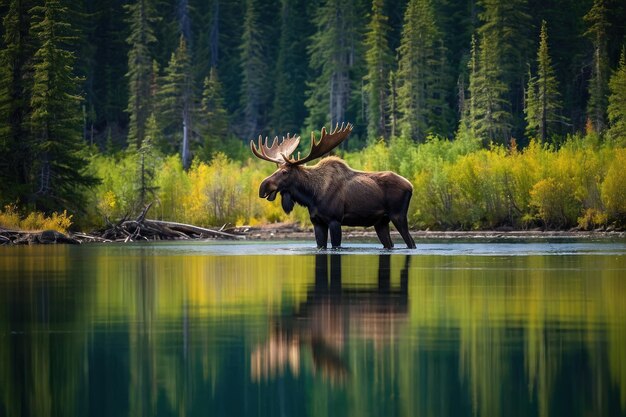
504, 35
421, 57
379, 60
597, 19
288, 110
140, 99
15, 148
55, 122
490, 118
254, 70
106, 92
176, 102
617, 102
334, 58
543, 100
213, 115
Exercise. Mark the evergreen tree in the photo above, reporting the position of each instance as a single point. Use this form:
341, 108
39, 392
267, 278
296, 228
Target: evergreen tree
176, 102
254, 71
420, 96
490, 119
378, 59
215, 117
56, 118
543, 103
141, 19
505, 29
106, 88
288, 110
15, 148
597, 19
617, 102
334, 51
146, 158
392, 104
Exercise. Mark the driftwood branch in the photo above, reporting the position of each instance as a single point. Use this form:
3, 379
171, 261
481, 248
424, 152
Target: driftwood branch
124, 230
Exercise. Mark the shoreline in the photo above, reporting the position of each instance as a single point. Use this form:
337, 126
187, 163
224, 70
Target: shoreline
286, 232
292, 231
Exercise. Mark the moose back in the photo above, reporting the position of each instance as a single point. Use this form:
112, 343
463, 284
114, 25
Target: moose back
335, 194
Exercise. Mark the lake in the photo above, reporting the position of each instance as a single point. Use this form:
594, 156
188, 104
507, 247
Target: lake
482, 328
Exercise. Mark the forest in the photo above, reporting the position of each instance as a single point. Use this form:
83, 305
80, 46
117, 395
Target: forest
502, 113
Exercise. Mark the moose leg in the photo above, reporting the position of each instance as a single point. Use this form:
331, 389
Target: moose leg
335, 234
321, 235
382, 230
403, 227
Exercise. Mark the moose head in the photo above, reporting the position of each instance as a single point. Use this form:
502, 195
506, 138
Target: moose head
333, 193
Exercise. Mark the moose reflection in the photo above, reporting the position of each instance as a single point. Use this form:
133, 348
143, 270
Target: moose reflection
331, 314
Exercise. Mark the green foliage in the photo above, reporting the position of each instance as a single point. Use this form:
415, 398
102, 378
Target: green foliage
176, 103
542, 104
213, 116
489, 117
15, 158
334, 59
459, 185
55, 121
254, 85
421, 102
597, 19
617, 103
378, 59
288, 109
141, 18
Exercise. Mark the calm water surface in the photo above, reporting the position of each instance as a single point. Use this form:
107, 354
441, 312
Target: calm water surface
450, 329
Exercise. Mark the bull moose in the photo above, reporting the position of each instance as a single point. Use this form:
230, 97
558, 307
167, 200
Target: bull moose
334, 193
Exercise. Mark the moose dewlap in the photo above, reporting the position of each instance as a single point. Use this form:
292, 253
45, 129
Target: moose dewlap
334, 193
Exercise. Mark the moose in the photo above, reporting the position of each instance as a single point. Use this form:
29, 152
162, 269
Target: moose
335, 194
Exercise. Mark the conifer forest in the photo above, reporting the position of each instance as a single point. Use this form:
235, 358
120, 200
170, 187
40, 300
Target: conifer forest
500, 112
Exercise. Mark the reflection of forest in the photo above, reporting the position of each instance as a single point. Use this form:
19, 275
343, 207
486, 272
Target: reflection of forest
510, 336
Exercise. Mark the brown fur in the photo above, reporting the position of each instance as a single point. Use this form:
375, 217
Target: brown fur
335, 194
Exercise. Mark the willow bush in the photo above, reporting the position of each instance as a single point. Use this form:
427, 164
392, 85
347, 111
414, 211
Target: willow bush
457, 185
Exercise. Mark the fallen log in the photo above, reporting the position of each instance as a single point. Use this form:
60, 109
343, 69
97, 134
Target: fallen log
188, 228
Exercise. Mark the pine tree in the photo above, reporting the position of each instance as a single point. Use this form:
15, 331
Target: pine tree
106, 88
254, 71
617, 102
215, 117
333, 58
176, 102
597, 19
15, 148
56, 117
288, 110
378, 59
146, 158
141, 19
543, 102
421, 57
490, 119
505, 30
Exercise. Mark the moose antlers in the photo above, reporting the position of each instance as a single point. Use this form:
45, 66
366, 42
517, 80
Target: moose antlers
280, 153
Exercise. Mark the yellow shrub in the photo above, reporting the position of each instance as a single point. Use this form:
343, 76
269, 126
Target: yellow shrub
10, 218
613, 188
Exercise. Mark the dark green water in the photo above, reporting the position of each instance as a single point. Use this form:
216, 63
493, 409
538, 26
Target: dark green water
451, 329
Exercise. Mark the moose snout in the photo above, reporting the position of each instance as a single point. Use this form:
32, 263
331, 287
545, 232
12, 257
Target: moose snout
268, 190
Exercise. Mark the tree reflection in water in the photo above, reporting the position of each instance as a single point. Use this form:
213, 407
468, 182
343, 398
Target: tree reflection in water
332, 313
